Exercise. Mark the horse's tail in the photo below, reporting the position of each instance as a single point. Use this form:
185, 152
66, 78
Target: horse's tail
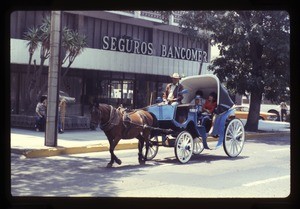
155, 121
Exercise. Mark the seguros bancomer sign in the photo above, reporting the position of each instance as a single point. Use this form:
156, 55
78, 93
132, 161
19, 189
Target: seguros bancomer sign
140, 47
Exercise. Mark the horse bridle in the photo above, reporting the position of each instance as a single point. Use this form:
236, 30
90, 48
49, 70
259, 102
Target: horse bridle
109, 123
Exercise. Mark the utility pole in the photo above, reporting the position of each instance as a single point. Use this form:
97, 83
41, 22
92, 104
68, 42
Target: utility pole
53, 80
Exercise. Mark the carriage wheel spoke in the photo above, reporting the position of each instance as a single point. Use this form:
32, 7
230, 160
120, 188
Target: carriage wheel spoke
184, 146
234, 138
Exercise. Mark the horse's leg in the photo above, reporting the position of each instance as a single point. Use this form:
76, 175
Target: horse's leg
111, 150
140, 147
147, 147
113, 158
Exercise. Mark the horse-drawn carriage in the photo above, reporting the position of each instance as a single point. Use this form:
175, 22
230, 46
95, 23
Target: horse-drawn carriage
188, 137
159, 124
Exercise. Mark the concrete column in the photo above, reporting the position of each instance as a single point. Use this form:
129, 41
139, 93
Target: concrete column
53, 80
171, 19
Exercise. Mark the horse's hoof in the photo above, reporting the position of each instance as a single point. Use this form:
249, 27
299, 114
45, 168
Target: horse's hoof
142, 162
118, 161
109, 165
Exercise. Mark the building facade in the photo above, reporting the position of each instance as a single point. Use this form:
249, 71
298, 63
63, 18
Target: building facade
129, 58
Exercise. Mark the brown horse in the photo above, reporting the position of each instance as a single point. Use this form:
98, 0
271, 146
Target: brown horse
119, 124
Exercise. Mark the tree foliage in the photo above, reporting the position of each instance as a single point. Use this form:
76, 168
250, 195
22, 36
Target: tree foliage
254, 52
72, 43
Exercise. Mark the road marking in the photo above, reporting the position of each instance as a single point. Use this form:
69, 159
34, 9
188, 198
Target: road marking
266, 181
276, 150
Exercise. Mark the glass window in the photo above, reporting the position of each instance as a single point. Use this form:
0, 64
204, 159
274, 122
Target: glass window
115, 90
121, 93
127, 93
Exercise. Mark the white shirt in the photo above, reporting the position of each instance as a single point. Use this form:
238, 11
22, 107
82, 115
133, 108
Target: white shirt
171, 95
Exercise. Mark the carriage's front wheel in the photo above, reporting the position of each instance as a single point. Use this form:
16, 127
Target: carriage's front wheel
184, 146
153, 148
234, 138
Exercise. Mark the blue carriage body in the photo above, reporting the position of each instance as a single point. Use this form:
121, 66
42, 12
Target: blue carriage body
167, 114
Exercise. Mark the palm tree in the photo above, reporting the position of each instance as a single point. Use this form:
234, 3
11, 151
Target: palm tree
72, 43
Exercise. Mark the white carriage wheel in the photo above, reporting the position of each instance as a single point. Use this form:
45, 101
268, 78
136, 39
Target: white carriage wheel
198, 145
184, 146
153, 148
234, 138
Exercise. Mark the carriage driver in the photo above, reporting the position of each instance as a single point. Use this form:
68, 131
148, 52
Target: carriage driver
171, 95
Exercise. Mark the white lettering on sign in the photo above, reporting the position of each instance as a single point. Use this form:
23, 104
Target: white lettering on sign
183, 53
141, 47
127, 45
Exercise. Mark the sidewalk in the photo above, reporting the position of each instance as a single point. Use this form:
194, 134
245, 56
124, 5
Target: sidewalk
31, 143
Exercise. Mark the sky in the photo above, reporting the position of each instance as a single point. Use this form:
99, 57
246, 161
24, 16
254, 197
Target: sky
214, 52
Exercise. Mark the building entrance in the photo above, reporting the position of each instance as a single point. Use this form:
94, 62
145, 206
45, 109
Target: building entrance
121, 93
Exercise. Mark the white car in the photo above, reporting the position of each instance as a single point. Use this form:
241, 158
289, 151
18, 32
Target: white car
64, 95
272, 108
242, 112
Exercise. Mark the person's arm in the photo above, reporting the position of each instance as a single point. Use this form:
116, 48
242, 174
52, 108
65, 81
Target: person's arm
37, 110
180, 96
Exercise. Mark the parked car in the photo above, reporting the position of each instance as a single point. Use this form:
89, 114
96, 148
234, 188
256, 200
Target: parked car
64, 95
243, 111
272, 108
267, 106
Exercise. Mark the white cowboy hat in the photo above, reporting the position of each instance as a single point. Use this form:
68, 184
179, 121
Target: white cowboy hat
175, 75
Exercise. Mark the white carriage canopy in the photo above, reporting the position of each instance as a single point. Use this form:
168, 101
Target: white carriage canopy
207, 84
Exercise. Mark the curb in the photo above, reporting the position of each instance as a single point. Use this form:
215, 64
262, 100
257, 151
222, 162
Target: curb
55, 151
266, 134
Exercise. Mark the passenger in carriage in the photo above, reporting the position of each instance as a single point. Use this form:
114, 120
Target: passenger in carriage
209, 107
201, 100
198, 107
211, 103
172, 95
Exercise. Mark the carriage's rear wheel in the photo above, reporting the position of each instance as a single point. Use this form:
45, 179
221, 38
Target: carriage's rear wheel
198, 145
153, 148
234, 138
184, 146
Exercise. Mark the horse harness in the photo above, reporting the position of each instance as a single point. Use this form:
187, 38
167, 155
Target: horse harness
127, 121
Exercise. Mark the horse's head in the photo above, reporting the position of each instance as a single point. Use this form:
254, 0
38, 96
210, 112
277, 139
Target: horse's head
95, 116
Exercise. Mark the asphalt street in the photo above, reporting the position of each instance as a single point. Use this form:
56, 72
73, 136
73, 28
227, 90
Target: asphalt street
262, 170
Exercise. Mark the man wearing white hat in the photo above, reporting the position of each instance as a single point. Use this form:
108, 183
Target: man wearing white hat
172, 90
